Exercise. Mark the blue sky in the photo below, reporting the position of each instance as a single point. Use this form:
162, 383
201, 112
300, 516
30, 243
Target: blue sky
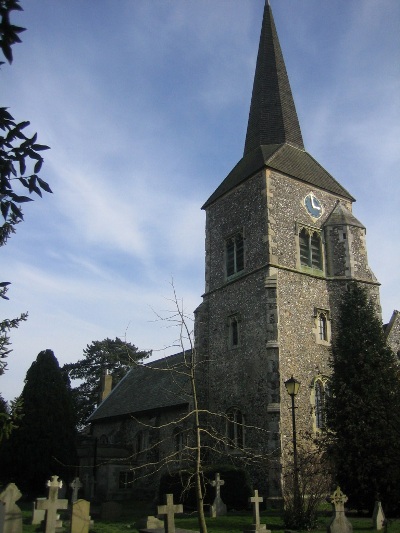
144, 104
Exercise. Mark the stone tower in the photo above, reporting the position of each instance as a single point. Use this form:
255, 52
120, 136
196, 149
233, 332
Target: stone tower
281, 245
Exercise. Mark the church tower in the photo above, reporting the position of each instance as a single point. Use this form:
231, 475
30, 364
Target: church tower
281, 246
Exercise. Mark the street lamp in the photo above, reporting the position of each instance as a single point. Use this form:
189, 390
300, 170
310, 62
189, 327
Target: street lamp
292, 387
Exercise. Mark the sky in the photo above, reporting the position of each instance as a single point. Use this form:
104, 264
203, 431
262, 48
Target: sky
144, 104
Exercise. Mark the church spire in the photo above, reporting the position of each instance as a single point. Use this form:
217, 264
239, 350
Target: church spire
272, 118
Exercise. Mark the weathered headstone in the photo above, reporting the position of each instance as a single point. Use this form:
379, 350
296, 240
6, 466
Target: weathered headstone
38, 515
378, 517
218, 508
169, 510
76, 485
52, 504
256, 526
80, 517
111, 511
150, 522
12, 522
339, 523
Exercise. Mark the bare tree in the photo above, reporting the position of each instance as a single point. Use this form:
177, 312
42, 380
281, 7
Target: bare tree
202, 436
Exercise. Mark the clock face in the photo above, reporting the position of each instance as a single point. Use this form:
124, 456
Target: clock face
313, 206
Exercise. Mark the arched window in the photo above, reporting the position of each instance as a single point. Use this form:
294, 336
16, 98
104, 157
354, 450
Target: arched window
310, 245
235, 428
323, 327
178, 439
233, 331
321, 391
234, 254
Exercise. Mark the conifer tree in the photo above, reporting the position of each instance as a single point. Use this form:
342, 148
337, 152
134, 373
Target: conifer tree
364, 406
114, 356
44, 442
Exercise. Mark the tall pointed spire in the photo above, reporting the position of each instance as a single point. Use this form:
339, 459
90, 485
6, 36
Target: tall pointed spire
272, 118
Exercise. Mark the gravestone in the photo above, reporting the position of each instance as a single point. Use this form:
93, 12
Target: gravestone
38, 515
169, 510
218, 508
339, 523
256, 526
80, 517
150, 523
76, 485
52, 504
111, 511
12, 522
378, 517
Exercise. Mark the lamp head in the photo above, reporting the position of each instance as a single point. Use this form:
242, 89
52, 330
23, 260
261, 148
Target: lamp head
292, 386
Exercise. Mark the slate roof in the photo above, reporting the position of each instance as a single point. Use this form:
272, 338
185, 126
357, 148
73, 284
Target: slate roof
273, 136
342, 216
273, 117
285, 158
146, 387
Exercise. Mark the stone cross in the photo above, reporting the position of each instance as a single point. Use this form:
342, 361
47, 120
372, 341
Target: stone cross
12, 522
52, 504
217, 483
339, 523
75, 486
255, 501
218, 508
169, 511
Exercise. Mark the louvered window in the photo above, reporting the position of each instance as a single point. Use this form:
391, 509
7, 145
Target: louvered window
310, 248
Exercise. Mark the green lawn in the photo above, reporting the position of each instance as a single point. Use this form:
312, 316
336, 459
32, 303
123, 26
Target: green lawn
233, 523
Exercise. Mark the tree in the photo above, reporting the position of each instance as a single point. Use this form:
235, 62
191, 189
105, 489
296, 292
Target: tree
364, 406
202, 438
114, 356
20, 163
44, 442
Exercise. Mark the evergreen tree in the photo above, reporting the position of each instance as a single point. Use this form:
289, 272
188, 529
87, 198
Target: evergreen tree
43, 444
364, 406
114, 356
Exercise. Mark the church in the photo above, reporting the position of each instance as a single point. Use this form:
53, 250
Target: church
282, 244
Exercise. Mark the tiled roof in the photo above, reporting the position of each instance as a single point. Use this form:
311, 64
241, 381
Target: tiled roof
145, 388
285, 158
341, 216
272, 118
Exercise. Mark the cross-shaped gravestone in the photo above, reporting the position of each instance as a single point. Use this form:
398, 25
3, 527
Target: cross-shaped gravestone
218, 508
339, 523
217, 483
75, 486
52, 504
12, 513
169, 510
255, 501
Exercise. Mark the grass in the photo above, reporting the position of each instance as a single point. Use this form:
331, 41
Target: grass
232, 523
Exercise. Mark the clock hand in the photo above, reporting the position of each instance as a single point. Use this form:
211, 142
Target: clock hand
315, 206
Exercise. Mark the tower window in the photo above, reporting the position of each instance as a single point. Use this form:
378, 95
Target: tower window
235, 428
234, 255
310, 245
233, 331
321, 391
322, 327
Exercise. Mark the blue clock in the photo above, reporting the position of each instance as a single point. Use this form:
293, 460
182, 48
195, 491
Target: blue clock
313, 206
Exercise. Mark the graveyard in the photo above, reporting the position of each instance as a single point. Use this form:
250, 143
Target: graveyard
54, 514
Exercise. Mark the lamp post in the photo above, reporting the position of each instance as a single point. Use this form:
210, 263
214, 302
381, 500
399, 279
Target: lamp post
292, 387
